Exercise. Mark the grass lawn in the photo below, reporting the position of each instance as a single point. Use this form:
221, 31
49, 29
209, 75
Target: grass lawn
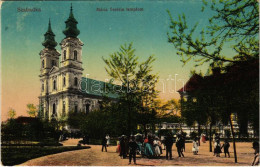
14, 155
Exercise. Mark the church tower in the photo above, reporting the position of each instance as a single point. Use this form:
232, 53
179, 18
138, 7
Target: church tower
71, 64
71, 51
49, 59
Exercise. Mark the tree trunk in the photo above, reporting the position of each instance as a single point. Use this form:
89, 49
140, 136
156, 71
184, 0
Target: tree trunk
233, 136
210, 139
145, 130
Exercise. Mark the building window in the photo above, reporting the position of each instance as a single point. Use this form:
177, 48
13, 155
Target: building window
76, 108
54, 109
75, 55
64, 81
64, 55
53, 63
42, 63
54, 85
76, 81
63, 108
87, 108
42, 87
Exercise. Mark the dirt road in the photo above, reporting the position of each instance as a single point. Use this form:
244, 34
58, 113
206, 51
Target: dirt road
94, 157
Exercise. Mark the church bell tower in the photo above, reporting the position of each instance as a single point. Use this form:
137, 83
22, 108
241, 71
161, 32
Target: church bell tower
49, 59
71, 51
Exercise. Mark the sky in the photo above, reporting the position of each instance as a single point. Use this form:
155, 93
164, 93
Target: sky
102, 34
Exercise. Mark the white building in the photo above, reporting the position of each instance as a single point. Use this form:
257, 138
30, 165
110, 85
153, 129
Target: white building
63, 89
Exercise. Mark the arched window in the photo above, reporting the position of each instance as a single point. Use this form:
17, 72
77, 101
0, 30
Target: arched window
54, 85
53, 63
53, 109
64, 55
75, 81
42, 63
63, 108
76, 108
75, 55
64, 81
87, 108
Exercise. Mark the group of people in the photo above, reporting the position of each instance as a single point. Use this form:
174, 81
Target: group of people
151, 146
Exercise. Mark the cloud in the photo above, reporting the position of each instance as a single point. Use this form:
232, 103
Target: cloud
20, 20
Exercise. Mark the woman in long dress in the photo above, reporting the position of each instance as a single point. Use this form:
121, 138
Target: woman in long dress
157, 144
195, 147
148, 150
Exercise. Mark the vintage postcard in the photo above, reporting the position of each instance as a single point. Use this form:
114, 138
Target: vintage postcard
118, 83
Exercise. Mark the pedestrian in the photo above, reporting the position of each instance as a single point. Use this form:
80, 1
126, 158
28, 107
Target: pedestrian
195, 146
217, 147
104, 144
118, 145
180, 145
168, 144
226, 146
157, 145
108, 140
132, 149
148, 149
256, 158
122, 147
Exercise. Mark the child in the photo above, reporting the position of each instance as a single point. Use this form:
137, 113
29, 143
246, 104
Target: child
226, 146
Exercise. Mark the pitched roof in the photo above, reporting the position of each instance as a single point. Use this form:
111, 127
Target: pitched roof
98, 88
192, 84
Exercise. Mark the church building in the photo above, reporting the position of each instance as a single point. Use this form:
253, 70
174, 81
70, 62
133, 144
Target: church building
63, 88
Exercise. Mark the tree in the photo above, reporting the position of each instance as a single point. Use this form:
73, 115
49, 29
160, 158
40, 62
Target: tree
11, 113
32, 110
234, 24
138, 84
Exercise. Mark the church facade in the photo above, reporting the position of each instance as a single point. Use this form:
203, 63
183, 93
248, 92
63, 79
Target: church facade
61, 76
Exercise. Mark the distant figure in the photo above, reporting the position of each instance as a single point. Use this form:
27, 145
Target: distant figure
157, 147
180, 145
148, 149
203, 138
226, 146
132, 149
168, 144
108, 140
256, 158
217, 147
122, 147
118, 146
104, 144
195, 147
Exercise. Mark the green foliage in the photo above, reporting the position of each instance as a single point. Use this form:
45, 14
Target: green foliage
11, 113
138, 94
32, 110
14, 132
234, 24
